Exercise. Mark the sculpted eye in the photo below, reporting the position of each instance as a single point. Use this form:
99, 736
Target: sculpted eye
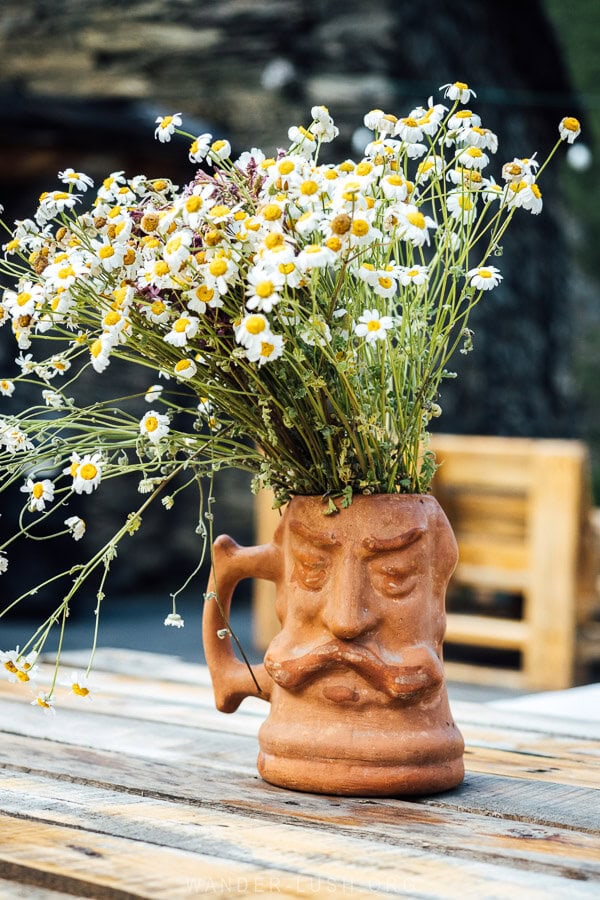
311, 570
395, 582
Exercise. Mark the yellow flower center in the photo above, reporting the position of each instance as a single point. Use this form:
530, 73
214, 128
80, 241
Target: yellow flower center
536, 191
309, 187
484, 273
271, 212
218, 145
181, 324
96, 348
166, 121
571, 124
264, 289
10, 666
218, 267
374, 325
88, 471
37, 490
360, 228
157, 308
410, 122
161, 268
363, 168
266, 349
23, 299
220, 210
180, 366
204, 293
151, 423
112, 318
80, 691
42, 703
129, 256
274, 239
334, 243
255, 324
412, 272
385, 282
286, 166
22, 676
286, 268
474, 152
416, 218
193, 204
464, 114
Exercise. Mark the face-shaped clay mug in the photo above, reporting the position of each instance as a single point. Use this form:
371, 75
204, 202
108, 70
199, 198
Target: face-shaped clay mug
355, 676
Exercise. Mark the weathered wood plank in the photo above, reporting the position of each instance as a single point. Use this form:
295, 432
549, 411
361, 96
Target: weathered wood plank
11, 890
190, 771
352, 849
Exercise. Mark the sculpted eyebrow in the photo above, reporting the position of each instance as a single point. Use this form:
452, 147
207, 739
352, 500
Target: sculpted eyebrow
317, 538
386, 545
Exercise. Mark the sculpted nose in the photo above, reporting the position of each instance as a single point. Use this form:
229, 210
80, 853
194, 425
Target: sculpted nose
350, 610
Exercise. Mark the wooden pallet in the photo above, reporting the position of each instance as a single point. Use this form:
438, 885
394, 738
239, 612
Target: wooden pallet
521, 511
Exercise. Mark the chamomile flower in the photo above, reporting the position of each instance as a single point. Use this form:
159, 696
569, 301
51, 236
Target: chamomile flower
200, 147
154, 426
473, 158
86, 472
7, 388
219, 150
263, 289
76, 526
182, 330
458, 90
77, 179
373, 326
484, 278
174, 620
45, 702
314, 256
410, 223
153, 393
266, 350
3, 562
185, 369
166, 127
78, 683
252, 329
40, 493
413, 275
569, 129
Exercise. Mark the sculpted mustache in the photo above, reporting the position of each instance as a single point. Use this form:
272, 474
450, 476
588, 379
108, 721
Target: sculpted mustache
394, 680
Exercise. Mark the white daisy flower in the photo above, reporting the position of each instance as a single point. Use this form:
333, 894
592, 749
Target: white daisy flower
174, 620
76, 526
413, 275
266, 350
314, 256
569, 128
219, 150
200, 147
79, 685
45, 702
185, 369
153, 393
410, 223
86, 472
3, 562
252, 329
154, 426
40, 493
473, 158
77, 179
458, 90
166, 127
484, 278
7, 387
372, 326
182, 330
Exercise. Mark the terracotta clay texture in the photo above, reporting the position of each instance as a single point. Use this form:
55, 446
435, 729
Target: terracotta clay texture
355, 677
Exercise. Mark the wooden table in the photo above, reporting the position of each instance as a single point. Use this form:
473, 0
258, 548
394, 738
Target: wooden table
147, 791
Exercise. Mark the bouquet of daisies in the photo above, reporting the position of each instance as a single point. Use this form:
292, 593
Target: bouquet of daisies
293, 318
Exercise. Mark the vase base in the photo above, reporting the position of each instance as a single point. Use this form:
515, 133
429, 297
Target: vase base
358, 778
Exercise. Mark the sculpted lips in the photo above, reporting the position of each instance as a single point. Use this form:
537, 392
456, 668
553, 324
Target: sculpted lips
397, 681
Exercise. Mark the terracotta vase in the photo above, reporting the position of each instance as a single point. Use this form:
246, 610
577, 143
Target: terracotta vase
355, 677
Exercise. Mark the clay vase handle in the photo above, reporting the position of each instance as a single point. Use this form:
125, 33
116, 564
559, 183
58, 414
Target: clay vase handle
231, 678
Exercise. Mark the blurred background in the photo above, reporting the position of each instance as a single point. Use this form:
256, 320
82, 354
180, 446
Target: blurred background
81, 85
